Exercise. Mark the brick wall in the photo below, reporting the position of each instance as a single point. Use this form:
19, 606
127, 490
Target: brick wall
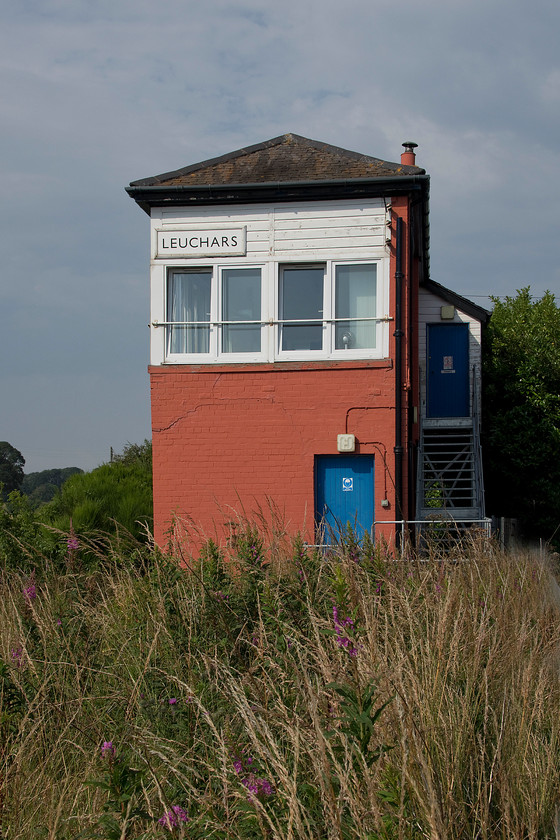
228, 438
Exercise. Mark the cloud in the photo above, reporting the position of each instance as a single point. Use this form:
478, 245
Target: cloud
96, 94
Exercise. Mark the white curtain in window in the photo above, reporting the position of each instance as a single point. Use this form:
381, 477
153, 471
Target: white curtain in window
188, 299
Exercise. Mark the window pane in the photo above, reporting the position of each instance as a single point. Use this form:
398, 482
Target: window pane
301, 298
188, 299
355, 297
241, 301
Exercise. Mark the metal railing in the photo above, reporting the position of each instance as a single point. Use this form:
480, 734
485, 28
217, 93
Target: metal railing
458, 525
271, 322
438, 519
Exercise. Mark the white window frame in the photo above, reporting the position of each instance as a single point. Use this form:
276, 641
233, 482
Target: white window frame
329, 351
271, 313
216, 322
279, 322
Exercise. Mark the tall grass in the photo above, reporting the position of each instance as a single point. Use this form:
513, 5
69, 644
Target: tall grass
268, 691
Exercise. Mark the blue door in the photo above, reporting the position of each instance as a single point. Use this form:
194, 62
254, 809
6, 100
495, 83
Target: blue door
448, 370
344, 494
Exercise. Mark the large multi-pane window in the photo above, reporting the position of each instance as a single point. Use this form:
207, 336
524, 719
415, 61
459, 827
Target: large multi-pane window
194, 298
307, 311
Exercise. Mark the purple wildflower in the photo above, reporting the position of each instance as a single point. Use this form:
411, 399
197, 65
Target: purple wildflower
72, 543
266, 787
342, 640
255, 786
30, 591
17, 654
260, 788
172, 818
107, 749
173, 701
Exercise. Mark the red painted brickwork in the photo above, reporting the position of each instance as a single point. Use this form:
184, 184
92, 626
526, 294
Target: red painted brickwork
228, 438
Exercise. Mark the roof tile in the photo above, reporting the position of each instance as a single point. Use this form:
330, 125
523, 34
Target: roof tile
288, 158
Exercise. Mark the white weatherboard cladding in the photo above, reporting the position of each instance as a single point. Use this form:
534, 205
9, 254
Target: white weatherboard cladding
275, 234
429, 312
310, 230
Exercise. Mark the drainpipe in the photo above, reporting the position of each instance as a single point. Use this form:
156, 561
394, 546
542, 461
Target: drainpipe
398, 334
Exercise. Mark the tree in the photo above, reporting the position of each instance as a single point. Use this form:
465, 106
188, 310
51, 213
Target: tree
12, 463
113, 496
521, 412
41, 487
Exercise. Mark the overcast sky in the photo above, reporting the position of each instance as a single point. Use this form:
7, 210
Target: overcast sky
98, 93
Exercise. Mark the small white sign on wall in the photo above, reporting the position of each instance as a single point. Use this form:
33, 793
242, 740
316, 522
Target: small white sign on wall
202, 242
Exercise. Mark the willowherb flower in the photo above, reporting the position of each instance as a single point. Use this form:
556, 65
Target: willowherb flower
342, 640
107, 749
17, 654
174, 817
72, 543
256, 787
173, 701
266, 787
30, 592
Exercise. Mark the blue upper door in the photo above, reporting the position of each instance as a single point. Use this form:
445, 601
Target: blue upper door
344, 494
448, 370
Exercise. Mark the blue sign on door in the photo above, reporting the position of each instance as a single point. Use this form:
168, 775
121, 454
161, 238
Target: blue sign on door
344, 494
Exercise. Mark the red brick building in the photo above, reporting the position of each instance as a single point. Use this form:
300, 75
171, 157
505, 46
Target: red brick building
291, 309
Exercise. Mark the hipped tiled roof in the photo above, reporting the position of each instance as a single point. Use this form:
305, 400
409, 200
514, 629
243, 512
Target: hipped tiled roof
285, 159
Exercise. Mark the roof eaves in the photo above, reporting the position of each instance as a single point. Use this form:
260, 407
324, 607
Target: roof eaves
343, 188
462, 303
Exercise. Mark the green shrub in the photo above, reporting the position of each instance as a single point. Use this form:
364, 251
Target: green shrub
114, 497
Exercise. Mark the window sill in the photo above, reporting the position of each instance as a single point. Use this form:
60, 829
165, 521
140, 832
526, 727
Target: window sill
272, 367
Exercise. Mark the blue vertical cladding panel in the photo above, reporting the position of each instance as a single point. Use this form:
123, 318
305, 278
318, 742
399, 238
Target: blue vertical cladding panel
448, 370
344, 493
